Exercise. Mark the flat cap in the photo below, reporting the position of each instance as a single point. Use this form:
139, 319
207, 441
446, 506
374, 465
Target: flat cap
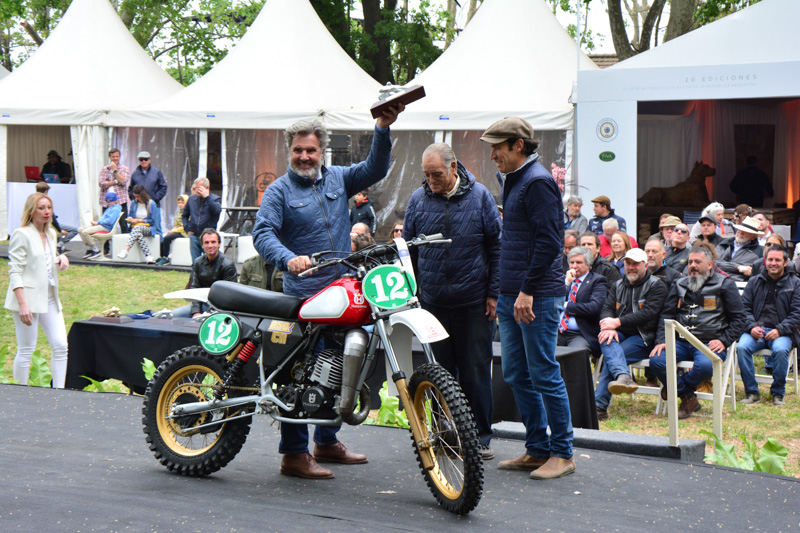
507, 128
602, 200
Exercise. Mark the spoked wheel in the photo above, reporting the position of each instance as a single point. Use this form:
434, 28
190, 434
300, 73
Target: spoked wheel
450, 439
181, 443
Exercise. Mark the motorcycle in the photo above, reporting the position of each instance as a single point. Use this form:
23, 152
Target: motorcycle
198, 406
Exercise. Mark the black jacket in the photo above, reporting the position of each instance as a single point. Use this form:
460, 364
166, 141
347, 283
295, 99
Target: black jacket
637, 306
201, 213
787, 303
746, 255
205, 272
607, 270
667, 274
365, 213
676, 259
587, 306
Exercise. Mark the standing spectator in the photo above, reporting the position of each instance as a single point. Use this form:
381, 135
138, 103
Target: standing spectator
602, 212
584, 293
104, 224
150, 178
709, 306
65, 232
201, 211
531, 288
363, 211
257, 272
459, 283
737, 255
772, 303
32, 295
177, 231
56, 166
591, 242
145, 222
210, 267
113, 178
573, 218
751, 183
678, 253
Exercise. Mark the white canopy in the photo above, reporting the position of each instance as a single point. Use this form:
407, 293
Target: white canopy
513, 59
286, 67
3, 72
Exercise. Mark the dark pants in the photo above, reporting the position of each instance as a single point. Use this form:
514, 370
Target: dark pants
467, 355
574, 339
167, 242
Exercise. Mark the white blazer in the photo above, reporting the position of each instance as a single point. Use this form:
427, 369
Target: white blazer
27, 268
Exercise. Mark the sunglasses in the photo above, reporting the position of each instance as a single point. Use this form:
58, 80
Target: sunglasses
400, 230
681, 230
144, 159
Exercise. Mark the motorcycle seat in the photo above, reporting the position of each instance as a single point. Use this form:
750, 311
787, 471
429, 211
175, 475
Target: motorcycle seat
237, 298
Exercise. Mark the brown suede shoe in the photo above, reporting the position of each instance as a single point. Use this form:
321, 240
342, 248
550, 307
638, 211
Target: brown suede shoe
553, 468
624, 384
338, 453
689, 405
652, 382
303, 465
523, 462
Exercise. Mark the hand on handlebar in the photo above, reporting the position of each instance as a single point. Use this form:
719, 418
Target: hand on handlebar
299, 264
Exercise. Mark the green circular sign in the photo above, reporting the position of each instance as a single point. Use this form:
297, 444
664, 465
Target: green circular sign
387, 287
219, 333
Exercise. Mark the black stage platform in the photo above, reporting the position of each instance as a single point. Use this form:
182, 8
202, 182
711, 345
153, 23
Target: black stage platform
76, 461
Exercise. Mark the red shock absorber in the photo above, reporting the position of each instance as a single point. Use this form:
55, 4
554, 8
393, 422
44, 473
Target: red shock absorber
236, 368
247, 351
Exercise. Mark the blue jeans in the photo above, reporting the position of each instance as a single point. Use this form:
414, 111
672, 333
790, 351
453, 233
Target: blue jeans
531, 370
467, 355
616, 358
702, 370
780, 362
195, 248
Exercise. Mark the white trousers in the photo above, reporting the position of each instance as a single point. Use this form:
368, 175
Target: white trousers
53, 326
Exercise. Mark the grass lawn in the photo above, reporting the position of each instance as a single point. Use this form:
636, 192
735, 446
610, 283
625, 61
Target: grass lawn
86, 291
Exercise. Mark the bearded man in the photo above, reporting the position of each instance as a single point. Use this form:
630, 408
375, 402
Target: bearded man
737, 255
709, 306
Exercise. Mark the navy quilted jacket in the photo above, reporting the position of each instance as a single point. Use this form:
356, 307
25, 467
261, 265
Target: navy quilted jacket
300, 217
533, 233
464, 272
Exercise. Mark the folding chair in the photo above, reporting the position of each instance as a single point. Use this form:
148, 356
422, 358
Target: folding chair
766, 378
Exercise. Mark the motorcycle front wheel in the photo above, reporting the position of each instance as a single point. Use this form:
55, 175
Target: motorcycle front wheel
450, 439
187, 376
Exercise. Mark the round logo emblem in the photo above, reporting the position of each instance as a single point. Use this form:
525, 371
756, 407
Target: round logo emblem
387, 287
607, 130
219, 333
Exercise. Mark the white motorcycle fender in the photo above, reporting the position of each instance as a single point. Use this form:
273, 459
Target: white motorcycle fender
419, 323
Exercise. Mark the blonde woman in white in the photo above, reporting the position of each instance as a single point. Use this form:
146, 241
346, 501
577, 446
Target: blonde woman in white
33, 289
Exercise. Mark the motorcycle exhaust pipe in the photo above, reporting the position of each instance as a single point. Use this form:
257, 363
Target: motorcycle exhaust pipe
355, 346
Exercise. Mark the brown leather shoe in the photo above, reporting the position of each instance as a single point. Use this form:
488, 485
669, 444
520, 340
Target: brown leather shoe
624, 384
523, 462
652, 382
303, 465
553, 468
338, 453
689, 405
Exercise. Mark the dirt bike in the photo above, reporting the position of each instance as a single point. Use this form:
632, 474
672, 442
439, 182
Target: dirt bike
198, 406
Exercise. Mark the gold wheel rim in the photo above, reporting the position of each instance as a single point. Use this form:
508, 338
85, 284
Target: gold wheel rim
193, 381
437, 423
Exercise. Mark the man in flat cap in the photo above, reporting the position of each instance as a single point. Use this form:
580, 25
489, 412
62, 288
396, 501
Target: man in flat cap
148, 177
602, 212
531, 291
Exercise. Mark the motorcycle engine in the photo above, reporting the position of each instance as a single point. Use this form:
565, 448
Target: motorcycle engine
328, 369
316, 399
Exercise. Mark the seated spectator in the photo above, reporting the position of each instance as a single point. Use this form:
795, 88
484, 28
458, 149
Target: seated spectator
628, 324
585, 292
602, 212
258, 272
201, 212
772, 304
740, 212
363, 211
620, 244
66, 231
610, 227
709, 306
145, 221
678, 253
758, 266
656, 253
210, 267
570, 241
716, 212
591, 241
56, 166
573, 219
104, 224
764, 226
737, 255
177, 231
666, 226
708, 231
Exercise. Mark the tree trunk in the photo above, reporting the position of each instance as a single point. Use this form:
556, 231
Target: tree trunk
681, 18
32, 32
653, 16
451, 23
473, 7
619, 34
378, 52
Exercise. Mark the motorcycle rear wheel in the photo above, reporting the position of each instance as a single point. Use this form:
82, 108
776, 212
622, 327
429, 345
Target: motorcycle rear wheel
184, 377
450, 438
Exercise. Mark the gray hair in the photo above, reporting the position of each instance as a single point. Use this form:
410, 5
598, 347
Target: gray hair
587, 254
712, 208
702, 250
657, 239
610, 222
307, 127
574, 200
202, 181
571, 233
443, 150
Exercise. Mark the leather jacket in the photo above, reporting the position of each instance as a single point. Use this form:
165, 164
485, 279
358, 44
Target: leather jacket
637, 306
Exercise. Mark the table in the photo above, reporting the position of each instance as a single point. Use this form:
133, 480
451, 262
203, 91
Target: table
243, 215
103, 350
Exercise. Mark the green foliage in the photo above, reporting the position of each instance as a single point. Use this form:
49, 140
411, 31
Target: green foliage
389, 414
40, 375
109, 385
6, 376
712, 10
149, 368
771, 458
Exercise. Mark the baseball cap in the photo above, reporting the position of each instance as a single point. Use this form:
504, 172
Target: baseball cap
143, 154
707, 218
637, 255
507, 128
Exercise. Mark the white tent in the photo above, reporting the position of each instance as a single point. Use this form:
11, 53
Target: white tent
3, 72
657, 113
88, 65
